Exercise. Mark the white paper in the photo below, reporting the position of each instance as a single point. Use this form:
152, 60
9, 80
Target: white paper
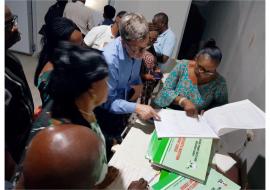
239, 115
130, 159
176, 123
129, 173
214, 123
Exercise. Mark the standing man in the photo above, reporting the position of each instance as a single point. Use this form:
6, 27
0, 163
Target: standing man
80, 15
99, 36
19, 105
123, 56
165, 43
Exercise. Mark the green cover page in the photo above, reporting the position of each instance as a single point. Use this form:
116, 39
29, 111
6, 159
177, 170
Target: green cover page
186, 156
153, 145
215, 181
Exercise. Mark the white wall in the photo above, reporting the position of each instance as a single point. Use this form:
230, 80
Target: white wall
238, 27
97, 9
239, 30
176, 10
40, 8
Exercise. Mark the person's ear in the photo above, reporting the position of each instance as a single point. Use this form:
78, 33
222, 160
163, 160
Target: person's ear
92, 95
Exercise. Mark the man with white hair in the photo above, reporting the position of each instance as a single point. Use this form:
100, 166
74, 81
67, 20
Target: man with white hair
123, 56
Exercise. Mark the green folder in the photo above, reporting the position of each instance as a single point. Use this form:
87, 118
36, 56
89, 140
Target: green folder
215, 181
188, 157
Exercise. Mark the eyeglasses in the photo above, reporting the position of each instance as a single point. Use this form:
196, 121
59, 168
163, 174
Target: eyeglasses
136, 49
204, 71
11, 22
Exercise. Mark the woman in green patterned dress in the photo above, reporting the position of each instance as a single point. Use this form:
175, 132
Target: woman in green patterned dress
58, 29
77, 84
195, 85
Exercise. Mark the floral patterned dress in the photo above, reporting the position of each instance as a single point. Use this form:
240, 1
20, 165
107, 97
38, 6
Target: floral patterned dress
203, 96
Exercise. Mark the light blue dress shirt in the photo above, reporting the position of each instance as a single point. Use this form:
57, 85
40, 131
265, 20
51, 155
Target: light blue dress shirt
123, 72
165, 43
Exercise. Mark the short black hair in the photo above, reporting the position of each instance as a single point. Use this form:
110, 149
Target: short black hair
109, 11
75, 69
162, 17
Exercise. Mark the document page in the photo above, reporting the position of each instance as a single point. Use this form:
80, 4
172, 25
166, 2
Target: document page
239, 115
129, 172
176, 123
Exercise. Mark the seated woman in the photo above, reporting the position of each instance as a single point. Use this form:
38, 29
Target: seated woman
195, 85
58, 29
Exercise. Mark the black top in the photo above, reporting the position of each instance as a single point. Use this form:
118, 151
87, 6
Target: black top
19, 107
56, 10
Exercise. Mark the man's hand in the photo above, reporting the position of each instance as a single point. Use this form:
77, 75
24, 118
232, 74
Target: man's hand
137, 92
146, 112
140, 184
190, 108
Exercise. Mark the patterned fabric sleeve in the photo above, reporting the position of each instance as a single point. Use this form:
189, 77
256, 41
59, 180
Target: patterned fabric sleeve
221, 93
168, 93
43, 81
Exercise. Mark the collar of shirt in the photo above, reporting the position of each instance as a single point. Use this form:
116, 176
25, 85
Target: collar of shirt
165, 32
122, 52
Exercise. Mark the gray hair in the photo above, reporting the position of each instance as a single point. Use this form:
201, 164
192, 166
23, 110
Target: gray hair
133, 26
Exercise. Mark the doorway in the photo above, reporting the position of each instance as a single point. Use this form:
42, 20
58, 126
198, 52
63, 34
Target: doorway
193, 33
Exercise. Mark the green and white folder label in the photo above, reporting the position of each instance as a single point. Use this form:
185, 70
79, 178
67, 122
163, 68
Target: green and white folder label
186, 156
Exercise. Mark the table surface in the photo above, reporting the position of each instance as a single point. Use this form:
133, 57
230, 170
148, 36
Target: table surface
130, 157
